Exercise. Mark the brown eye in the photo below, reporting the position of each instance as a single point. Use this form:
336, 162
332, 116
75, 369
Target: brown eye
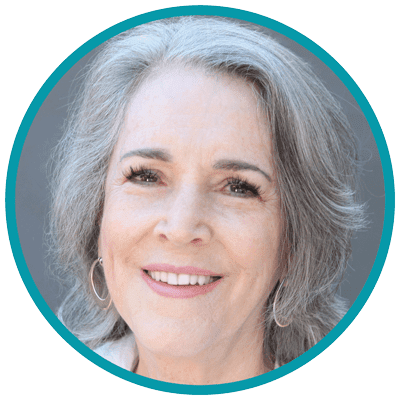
143, 176
241, 188
148, 178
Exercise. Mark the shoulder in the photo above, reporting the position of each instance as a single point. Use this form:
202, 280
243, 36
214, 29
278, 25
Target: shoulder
121, 352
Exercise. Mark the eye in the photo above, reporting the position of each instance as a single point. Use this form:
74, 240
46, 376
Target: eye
143, 176
242, 188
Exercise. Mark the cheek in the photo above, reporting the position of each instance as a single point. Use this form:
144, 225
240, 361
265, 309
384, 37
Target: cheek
118, 236
253, 241
254, 248
120, 272
125, 223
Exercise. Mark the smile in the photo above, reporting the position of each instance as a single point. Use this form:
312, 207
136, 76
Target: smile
181, 279
179, 285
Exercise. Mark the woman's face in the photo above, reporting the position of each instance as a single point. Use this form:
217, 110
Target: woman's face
191, 189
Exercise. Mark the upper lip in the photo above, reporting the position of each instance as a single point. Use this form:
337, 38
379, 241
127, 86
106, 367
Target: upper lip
180, 270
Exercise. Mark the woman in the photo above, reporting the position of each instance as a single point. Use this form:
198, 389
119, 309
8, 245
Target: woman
203, 204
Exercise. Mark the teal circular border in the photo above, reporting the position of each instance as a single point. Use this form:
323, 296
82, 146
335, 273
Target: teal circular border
223, 12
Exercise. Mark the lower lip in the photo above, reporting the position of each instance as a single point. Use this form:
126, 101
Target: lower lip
178, 291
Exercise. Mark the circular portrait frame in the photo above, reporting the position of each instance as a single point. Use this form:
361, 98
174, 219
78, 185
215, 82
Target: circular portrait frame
221, 12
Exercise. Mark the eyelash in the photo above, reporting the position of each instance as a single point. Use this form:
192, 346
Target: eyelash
135, 175
246, 186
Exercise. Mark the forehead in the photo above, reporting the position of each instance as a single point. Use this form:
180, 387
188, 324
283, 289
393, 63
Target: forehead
193, 111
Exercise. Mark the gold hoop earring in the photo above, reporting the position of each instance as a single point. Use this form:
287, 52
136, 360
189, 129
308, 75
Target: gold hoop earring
102, 303
274, 305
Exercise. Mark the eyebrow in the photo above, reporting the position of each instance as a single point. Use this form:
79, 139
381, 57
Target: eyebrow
154, 154
162, 155
234, 165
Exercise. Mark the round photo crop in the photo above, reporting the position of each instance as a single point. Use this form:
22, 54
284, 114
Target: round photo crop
200, 176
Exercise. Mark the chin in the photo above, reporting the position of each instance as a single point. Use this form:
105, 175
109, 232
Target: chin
173, 338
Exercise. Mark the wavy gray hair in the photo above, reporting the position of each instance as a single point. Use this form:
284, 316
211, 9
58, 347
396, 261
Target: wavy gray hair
315, 157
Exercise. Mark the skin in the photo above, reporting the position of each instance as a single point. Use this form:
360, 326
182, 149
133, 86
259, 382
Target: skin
190, 215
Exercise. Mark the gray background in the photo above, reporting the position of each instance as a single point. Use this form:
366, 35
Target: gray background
32, 195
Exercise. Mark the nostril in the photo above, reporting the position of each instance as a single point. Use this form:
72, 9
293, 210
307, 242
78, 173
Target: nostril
197, 241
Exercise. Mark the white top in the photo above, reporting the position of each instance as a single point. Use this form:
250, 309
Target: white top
122, 352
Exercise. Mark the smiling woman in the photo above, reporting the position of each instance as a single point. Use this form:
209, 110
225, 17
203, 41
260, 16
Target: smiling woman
203, 204
195, 216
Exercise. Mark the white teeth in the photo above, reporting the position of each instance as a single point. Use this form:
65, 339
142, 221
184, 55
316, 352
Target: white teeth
202, 280
164, 276
181, 279
172, 279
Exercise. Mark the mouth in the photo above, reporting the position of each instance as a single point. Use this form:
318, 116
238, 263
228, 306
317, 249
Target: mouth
182, 286
171, 278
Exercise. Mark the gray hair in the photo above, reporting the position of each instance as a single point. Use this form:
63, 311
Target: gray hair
315, 158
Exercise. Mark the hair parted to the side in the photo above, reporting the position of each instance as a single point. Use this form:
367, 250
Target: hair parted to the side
315, 159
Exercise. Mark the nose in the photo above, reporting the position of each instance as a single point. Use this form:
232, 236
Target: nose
185, 220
